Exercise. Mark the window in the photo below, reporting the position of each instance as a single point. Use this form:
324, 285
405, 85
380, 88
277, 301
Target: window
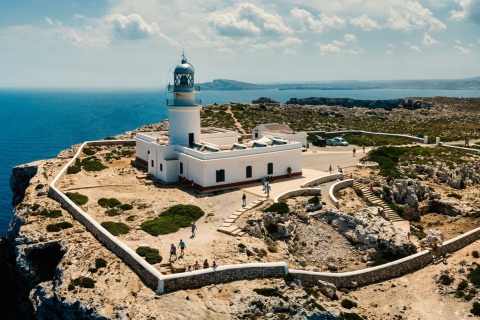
256, 134
191, 139
270, 168
153, 164
248, 172
181, 167
220, 175
161, 167
148, 151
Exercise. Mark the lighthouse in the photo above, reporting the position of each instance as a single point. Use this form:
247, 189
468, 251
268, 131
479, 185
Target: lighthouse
184, 109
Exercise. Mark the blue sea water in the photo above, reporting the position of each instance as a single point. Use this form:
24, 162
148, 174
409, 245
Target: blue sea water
38, 124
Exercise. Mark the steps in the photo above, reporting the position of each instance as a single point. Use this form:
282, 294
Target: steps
228, 226
391, 215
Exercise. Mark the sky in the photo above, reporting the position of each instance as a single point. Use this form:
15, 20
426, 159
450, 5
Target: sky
136, 44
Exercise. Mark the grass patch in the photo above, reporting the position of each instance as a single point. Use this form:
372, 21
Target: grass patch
92, 164
279, 207
172, 219
115, 228
77, 198
48, 214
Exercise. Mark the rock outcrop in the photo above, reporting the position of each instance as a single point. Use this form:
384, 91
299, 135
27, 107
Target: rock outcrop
370, 104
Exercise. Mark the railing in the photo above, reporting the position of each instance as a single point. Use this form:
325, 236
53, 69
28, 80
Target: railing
174, 88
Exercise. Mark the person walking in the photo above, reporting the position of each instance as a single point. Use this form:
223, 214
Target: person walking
182, 247
363, 147
267, 189
244, 200
196, 266
354, 150
173, 252
330, 169
194, 227
214, 265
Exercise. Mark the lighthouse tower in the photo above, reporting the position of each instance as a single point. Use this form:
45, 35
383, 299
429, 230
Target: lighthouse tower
183, 109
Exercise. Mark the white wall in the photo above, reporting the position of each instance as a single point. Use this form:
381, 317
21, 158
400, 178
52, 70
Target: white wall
182, 121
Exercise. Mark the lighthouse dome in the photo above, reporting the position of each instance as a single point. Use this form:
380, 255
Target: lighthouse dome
184, 67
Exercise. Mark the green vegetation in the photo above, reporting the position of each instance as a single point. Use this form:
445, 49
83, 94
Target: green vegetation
417, 230
126, 206
475, 254
172, 219
271, 245
150, 254
100, 263
110, 203
39, 186
48, 214
462, 285
475, 309
58, 226
83, 282
131, 218
351, 316
445, 280
77, 198
474, 276
112, 212
92, 164
88, 151
348, 304
312, 304
288, 277
115, 228
279, 207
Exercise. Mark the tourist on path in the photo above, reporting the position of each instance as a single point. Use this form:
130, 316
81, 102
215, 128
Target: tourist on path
189, 269
371, 187
267, 189
206, 265
244, 200
182, 247
330, 169
363, 147
196, 266
214, 265
173, 252
354, 150
194, 227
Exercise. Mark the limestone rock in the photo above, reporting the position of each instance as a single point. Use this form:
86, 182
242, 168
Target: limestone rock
327, 288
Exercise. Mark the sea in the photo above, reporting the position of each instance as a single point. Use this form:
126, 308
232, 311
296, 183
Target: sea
38, 123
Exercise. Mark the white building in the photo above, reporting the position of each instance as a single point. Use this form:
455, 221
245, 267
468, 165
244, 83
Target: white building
210, 158
281, 131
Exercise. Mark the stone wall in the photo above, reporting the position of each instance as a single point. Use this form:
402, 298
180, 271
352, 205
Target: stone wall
298, 192
338, 186
461, 149
223, 274
322, 179
461, 241
384, 134
366, 276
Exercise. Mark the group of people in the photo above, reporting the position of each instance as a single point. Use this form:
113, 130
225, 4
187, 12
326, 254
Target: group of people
181, 245
266, 185
206, 265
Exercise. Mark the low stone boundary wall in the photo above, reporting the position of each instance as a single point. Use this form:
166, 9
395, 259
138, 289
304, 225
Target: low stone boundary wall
417, 139
338, 186
223, 274
322, 179
298, 192
145, 271
461, 241
461, 149
371, 275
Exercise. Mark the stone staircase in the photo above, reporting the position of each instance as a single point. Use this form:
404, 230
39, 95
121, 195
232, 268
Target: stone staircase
228, 226
389, 213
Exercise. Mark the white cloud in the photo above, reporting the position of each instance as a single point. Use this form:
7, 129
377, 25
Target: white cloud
246, 19
52, 22
460, 49
469, 10
83, 39
428, 40
132, 27
338, 43
326, 49
356, 51
308, 21
350, 37
415, 49
289, 52
364, 23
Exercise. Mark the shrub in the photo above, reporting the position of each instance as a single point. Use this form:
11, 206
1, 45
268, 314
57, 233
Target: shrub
112, 212
351, 316
279, 207
71, 287
74, 169
445, 280
314, 200
49, 214
110, 203
126, 206
58, 226
84, 282
474, 276
462, 285
242, 246
39, 186
475, 309
131, 218
150, 254
89, 152
348, 304
288, 277
115, 228
100, 263
475, 254
93, 270
92, 164
172, 219
77, 198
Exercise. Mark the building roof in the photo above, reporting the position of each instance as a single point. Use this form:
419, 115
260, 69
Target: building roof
278, 127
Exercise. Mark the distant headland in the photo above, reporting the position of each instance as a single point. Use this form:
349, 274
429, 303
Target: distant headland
455, 84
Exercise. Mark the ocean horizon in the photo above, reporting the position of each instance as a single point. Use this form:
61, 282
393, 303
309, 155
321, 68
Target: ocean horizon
39, 123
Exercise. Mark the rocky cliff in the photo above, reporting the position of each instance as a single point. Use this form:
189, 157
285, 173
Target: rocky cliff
389, 105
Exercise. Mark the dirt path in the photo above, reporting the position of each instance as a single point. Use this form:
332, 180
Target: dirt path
237, 124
